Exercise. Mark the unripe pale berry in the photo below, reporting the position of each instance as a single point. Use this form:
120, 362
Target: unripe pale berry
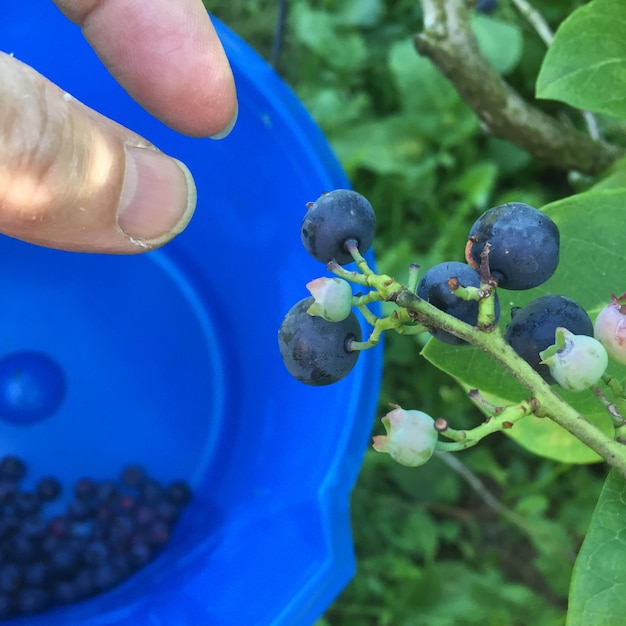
610, 328
576, 362
411, 437
333, 298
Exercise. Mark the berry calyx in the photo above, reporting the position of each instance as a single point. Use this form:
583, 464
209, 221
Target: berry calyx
524, 245
532, 328
576, 362
610, 328
334, 218
434, 288
315, 351
411, 437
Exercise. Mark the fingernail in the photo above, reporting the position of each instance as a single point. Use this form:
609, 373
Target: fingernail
158, 197
229, 127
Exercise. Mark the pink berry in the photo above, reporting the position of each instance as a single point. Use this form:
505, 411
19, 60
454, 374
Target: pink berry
610, 328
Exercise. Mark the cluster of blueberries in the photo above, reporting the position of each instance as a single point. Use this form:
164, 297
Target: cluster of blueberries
523, 253
108, 530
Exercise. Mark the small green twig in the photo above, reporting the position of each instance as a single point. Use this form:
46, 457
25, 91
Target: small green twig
370, 318
505, 418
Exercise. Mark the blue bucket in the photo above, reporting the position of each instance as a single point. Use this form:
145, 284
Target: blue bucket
170, 359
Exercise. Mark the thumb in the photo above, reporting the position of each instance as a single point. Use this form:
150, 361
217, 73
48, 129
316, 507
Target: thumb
74, 180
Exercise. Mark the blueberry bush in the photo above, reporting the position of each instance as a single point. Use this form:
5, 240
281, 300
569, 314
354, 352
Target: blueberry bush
487, 136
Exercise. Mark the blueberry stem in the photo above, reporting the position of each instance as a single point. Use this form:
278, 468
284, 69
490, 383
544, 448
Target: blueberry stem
413, 278
368, 298
487, 318
611, 407
370, 318
502, 420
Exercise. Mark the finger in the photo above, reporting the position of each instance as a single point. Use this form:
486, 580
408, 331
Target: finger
168, 57
74, 180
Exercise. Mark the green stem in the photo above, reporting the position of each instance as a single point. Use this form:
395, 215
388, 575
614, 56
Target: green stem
413, 279
505, 419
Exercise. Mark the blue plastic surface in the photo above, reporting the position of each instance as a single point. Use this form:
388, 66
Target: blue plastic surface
170, 359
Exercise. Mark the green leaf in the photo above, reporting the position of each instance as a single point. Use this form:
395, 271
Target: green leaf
597, 595
344, 49
500, 42
592, 261
390, 148
434, 107
585, 65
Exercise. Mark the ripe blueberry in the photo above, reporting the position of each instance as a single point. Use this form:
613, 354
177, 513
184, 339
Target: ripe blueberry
315, 351
524, 245
334, 218
486, 6
533, 328
433, 287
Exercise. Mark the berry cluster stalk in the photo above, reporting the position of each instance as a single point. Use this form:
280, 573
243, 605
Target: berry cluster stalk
547, 403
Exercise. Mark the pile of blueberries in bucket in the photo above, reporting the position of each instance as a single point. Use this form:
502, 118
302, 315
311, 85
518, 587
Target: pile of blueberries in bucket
108, 530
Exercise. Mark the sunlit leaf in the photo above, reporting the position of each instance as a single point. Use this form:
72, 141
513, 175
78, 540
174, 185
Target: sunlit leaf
585, 65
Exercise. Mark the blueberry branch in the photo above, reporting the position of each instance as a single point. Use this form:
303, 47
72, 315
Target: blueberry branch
547, 403
448, 41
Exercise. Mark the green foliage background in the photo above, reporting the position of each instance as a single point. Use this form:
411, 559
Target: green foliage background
431, 549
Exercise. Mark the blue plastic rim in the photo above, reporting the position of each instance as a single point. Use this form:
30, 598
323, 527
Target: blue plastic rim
159, 360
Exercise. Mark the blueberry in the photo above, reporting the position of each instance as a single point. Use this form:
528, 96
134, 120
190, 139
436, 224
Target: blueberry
7, 605
95, 553
140, 553
34, 527
533, 328
151, 492
27, 503
524, 245
8, 490
24, 550
334, 218
48, 489
66, 592
36, 574
126, 503
84, 584
81, 510
158, 534
84, 489
486, 6
10, 520
31, 600
10, 577
133, 476
108, 575
12, 468
167, 511
106, 491
433, 287
145, 514
315, 351
59, 526
179, 493
64, 560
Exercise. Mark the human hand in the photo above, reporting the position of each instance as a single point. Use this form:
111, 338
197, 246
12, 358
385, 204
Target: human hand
75, 180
